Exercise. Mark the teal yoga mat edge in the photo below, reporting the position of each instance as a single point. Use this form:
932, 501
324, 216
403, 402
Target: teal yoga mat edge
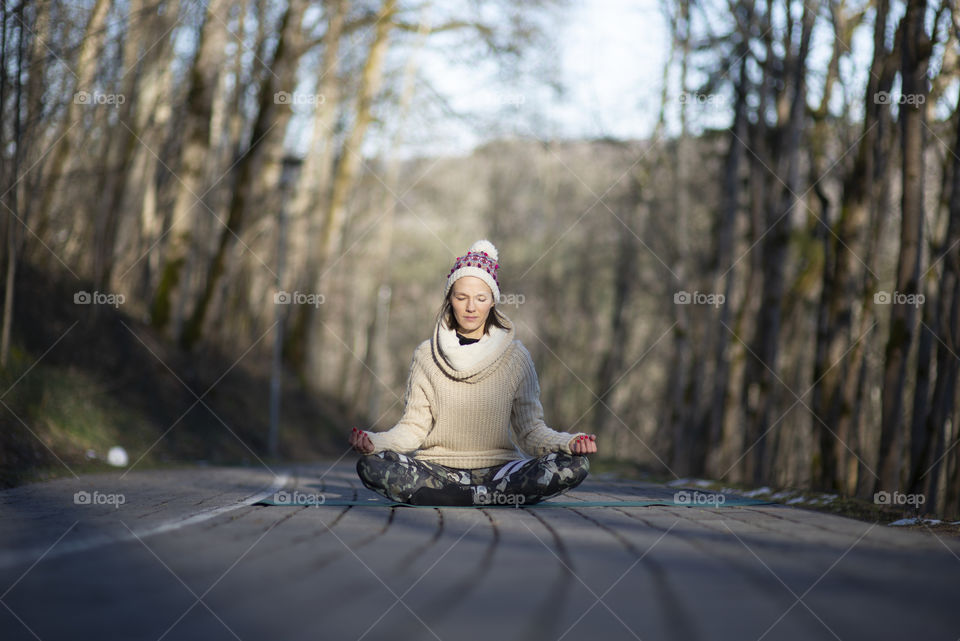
730, 502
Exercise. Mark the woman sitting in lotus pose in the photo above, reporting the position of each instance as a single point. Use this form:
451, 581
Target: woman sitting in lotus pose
472, 430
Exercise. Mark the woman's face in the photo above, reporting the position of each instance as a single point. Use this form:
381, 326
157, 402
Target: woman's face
472, 300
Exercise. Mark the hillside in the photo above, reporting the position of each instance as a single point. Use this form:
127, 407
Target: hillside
84, 378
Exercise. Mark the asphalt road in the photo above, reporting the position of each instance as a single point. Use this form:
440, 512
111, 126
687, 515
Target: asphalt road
183, 554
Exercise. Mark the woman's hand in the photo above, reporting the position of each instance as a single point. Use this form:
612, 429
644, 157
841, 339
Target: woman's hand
361, 442
584, 444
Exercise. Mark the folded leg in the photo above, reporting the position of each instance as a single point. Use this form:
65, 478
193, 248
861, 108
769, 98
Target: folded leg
537, 479
405, 479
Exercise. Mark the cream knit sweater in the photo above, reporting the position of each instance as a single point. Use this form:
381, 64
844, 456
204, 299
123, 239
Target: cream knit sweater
470, 406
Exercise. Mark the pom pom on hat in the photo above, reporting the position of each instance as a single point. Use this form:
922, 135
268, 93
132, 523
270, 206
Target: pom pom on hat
482, 246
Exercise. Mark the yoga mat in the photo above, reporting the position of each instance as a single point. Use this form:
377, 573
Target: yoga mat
728, 502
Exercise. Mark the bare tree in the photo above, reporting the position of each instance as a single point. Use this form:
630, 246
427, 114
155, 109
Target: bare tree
941, 328
915, 53
311, 198
782, 160
843, 299
69, 128
346, 169
258, 171
171, 296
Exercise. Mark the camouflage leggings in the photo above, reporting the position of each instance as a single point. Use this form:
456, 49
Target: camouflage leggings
405, 479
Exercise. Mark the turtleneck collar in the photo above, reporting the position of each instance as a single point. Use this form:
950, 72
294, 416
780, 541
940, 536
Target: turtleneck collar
473, 361
466, 340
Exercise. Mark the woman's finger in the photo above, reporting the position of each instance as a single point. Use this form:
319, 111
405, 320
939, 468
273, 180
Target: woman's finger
364, 442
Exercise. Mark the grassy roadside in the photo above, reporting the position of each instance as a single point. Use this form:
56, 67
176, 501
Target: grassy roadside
851, 507
81, 379
60, 421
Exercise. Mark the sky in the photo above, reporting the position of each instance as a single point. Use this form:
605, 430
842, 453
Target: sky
612, 57
609, 57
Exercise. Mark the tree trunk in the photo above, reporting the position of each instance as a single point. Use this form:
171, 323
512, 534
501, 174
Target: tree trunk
624, 289
121, 146
69, 129
312, 190
680, 409
141, 234
838, 351
366, 395
9, 179
345, 175
170, 299
763, 373
711, 436
258, 171
931, 421
915, 52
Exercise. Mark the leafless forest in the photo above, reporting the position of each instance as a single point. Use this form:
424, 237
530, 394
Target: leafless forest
771, 302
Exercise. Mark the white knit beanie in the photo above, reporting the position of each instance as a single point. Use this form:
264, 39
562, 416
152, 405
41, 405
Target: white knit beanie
480, 261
